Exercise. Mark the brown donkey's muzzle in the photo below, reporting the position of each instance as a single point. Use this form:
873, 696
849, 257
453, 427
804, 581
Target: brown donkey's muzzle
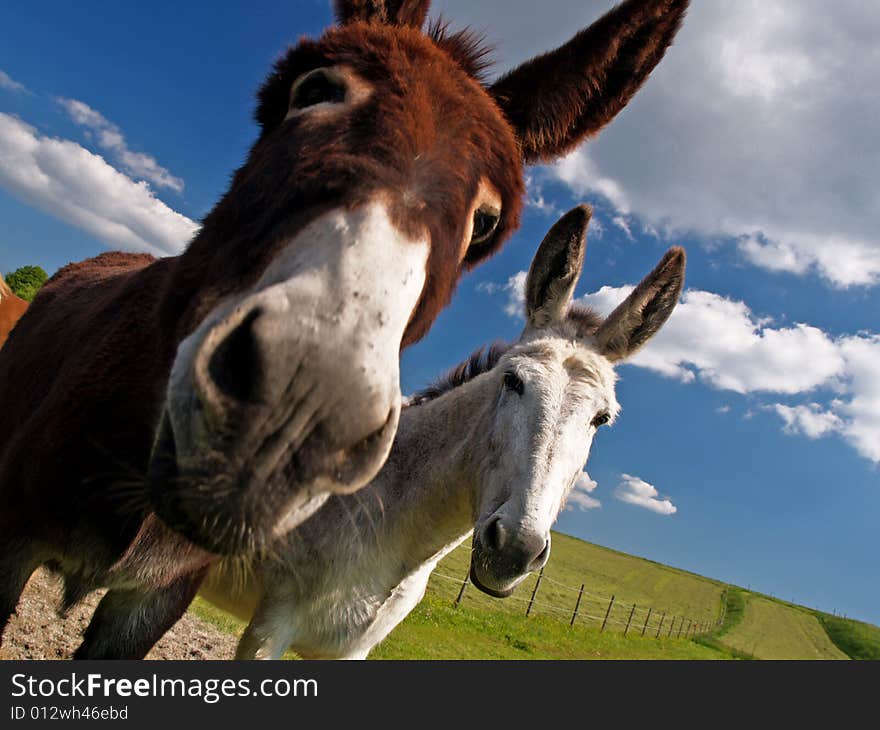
276, 423
290, 392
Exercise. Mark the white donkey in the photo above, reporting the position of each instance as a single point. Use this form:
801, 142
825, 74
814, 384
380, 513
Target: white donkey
493, 449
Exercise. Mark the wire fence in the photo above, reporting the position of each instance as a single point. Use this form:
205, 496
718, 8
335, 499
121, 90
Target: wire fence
601, 610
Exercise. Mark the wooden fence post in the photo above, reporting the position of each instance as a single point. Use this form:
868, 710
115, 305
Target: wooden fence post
662, 619
629, 620
463, 586
690, 623
534, 592
671, 626
607, 613
647, 618
678, 635
577, 605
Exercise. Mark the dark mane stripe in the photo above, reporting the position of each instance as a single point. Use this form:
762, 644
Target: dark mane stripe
481, 361
585, 319
468, 47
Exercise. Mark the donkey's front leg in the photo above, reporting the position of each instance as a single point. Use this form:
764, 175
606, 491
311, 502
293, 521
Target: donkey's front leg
18, 560
264, 638
127, 623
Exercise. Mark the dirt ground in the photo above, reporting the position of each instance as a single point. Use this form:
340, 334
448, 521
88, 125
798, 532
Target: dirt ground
36, 631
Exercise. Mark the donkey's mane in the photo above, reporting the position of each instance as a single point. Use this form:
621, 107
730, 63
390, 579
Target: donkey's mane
585, 319
468, 47
481, 361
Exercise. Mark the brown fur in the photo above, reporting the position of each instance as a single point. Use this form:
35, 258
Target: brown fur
595, 75
417, 138
83, 376
11, 309
586, 320
393, 12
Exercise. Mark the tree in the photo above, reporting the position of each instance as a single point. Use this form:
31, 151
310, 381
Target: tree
26, 281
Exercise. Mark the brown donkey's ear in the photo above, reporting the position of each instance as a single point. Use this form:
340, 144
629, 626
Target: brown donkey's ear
393, 12
556, 268
557, 100
638, 318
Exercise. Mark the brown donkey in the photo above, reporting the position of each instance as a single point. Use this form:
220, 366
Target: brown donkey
11, 309
230, 389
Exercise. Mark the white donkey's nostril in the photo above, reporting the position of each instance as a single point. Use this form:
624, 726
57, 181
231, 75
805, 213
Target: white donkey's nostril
541, 559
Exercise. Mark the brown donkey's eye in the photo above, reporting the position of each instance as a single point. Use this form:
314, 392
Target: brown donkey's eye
601, 419
485, 223
513, 382
318, 87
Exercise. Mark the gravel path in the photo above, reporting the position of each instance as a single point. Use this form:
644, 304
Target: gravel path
36, 631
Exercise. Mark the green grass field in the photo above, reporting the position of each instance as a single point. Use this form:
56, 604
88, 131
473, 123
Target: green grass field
772, 630
481, 627
604, 572
856, 639
437, 630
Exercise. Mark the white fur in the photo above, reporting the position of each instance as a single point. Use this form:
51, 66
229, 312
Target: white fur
346, 577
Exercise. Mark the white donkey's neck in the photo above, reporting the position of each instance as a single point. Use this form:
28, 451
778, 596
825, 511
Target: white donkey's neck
431, 481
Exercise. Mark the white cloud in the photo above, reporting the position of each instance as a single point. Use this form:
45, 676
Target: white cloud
109, 137
720, 341
580, 173
861, 413
10, 84
67, 181
723, 344
810, 420
538, 201
638, 492
757, 129
514, 290
622, 224
580, 495
723, 410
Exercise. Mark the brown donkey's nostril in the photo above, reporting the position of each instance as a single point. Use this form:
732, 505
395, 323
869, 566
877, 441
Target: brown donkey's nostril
235, 367
494, 534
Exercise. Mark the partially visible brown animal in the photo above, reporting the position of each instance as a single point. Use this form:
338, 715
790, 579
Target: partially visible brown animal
231, 389
11, 309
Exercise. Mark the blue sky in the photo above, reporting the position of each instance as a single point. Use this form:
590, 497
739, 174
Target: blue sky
756, 413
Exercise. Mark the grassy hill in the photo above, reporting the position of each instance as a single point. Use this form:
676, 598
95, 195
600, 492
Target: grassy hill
770, 629
660, 604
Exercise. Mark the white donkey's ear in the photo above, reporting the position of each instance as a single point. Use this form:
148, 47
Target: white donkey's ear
638, 318
556, 268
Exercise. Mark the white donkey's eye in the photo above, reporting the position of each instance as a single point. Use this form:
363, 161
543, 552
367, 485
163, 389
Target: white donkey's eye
601, 419
321, 86
513, 382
